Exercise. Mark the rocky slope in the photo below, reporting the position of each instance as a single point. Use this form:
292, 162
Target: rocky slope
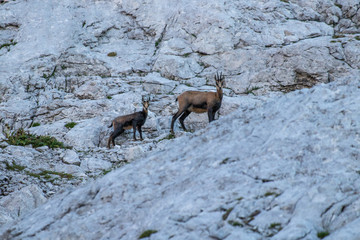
68, 68
289, 170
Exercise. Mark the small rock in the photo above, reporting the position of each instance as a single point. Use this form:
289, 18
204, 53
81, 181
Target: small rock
42, 149
71, 157
70, 169
92, 164
134, 153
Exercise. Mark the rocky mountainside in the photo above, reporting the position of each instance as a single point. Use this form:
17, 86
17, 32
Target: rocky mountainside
280, 163
288, 170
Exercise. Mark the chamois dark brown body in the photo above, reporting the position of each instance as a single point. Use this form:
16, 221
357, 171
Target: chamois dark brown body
199, 102
135, 121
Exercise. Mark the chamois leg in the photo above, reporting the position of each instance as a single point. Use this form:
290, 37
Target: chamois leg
134, 128
109, 141
174, 119
210, 114
182, 118
213, 116
114, 134
139, 129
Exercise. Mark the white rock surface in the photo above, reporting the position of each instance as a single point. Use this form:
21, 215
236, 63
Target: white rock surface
291, 163
21, 202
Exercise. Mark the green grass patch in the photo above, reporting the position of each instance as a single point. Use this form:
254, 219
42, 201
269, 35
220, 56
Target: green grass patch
70, 125
23, 138
338, 5
357, 38
225, 161
276, 226
235, 223
46, 174
321, 235
251, 90
48, 76
112, 54
338, 36
8, 45
168, 137
109, 97
106, 171
227, 213
147, 233
14, 167
35, 124
268, 194
157, 43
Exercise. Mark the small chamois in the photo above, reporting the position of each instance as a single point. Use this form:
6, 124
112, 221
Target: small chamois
134, 120
199, 102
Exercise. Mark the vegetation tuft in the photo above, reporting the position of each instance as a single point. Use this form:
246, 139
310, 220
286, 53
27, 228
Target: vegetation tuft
46, 174
23, 138
338, 36
14, 167
35, 124
168, 137
70, 125
227, 213
275, 226
147, 233
322, 235
268, 194
52, 74
251, 90
157, 43
225, 161
106, 171
112, 54
235, 223
8, 45
338, 5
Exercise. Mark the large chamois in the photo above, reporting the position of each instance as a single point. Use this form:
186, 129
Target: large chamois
134, 120
199, 102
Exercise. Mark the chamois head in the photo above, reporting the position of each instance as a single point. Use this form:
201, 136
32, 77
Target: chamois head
220, 82
145, 103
